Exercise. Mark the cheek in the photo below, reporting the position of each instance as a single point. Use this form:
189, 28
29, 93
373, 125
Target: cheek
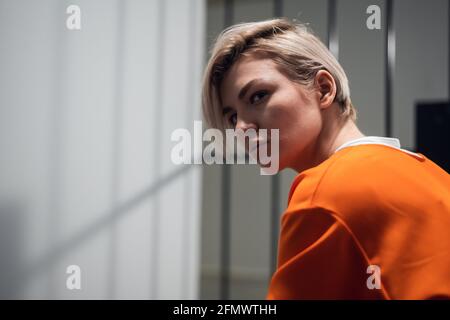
308, 121
295, 119
299, 126
294, 114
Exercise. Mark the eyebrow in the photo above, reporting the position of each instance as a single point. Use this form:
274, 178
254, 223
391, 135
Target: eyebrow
242, 93
247, 87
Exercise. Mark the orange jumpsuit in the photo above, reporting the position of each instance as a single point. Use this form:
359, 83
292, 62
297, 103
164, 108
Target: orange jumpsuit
366, 205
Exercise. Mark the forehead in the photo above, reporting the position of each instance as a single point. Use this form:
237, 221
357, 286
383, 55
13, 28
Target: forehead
246, 69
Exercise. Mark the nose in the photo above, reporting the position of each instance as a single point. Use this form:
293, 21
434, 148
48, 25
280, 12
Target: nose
245, 125
249, 137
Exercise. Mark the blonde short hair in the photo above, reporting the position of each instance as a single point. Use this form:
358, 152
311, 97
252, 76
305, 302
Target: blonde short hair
295, 49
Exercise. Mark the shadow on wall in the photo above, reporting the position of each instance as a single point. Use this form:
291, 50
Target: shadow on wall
11, 242
433, 132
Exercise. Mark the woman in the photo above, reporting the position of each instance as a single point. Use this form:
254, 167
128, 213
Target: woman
365, 218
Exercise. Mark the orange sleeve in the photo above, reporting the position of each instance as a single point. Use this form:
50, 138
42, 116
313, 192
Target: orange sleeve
318, 258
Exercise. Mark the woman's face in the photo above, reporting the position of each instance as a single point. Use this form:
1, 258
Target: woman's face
255, 94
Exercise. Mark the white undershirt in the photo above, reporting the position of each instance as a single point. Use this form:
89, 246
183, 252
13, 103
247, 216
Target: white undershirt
390, 142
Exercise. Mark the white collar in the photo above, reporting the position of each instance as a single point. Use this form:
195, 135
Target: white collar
390, 142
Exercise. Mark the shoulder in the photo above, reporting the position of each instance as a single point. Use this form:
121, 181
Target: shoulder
382, 198
341, 174
364, 177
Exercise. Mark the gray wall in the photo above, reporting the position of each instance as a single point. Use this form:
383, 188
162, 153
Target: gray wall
85, 124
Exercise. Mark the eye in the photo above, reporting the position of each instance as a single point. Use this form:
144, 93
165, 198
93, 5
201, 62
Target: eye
233, 119
258, 96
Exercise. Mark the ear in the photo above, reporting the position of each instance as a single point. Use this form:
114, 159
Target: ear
326, 87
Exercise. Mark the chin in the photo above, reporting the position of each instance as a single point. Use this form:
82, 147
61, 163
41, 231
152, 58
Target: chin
281, 165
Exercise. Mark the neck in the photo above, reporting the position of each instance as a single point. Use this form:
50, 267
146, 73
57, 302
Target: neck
333, 134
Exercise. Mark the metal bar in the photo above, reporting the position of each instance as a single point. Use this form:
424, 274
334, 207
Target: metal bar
389, 65
156, 208
333, 36
275, 185
116, 135
278, 8
225, 251
187, 196
275, 221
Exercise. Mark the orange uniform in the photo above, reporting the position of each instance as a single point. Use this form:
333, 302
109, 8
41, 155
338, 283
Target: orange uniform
366, 205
